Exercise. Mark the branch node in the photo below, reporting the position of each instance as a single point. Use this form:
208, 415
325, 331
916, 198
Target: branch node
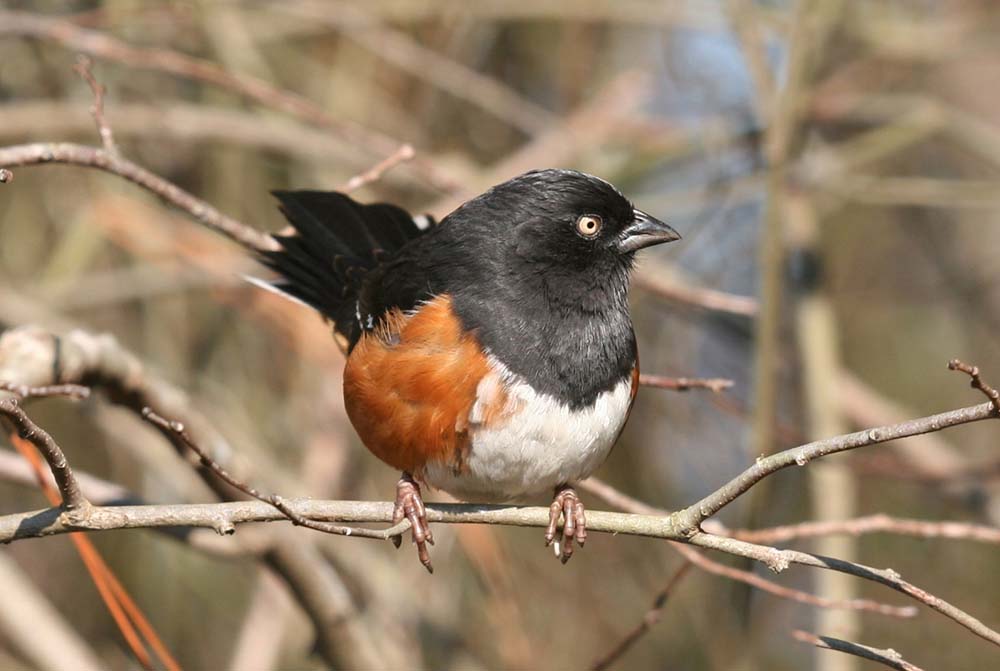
977, 382
83, 68
224, 526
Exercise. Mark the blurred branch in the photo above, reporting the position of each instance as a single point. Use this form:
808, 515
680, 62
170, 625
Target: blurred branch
651, 617
713, 384
192, 123
871, 524
666, 283
373, 174
407, 54
82, 67
105, 46
29, 356
888, 657
35, 628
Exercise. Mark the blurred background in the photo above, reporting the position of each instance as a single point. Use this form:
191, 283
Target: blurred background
833, 166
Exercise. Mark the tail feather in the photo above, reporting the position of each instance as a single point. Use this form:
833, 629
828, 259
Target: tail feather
336, 242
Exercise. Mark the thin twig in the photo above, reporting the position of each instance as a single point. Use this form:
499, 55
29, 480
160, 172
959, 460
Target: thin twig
401, 155
871, 524
714, 384
74, 391
83, 68
177, 429
977, 382
73, 499
627, 503
765, 585
92, 157
779, 560
887, 657
651, 617
695, 514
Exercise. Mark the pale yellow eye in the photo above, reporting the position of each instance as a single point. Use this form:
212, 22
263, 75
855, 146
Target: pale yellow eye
589, 225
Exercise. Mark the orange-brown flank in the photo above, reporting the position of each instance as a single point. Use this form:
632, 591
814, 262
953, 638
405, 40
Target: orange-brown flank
410, 385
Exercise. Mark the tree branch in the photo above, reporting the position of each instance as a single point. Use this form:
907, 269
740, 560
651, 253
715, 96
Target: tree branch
888, 657
92, 157
73, 500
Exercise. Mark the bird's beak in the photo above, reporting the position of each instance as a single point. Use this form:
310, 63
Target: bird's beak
645, 231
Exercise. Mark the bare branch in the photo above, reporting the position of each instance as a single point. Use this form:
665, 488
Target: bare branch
620, 500
778, 560
177, 429
73, 499
871, 524
694, 515
83, 68
74, 391
373, 174
714, 384
92, 157
765, 585
651, 617
887, 657
977, 382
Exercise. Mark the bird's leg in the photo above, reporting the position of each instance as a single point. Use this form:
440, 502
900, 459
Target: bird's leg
566, 504
411, 506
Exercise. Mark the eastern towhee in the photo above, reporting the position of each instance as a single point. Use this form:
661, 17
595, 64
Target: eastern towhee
490, 355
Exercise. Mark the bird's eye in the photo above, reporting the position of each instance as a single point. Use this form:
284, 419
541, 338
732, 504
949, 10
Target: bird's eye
589, 225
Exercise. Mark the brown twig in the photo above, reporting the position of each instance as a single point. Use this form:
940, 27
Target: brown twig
73, 499
714, 384
887, 657
278, 502
92, 157
694, 515
871, 524
83, 68
401, 155
977, 382
779, 560
74, 391
620, 500
651, 617
765, 585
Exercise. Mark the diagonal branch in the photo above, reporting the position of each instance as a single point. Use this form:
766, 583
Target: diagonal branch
73, 500
694, 515
887, 657
92, 157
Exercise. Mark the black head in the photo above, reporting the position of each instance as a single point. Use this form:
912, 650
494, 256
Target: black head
571, 235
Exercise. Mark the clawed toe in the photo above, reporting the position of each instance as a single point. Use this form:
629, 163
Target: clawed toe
410, 505
566, 505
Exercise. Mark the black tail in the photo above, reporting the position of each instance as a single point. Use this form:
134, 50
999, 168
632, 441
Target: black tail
335, 243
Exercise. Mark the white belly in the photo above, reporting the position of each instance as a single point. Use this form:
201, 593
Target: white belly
541, 445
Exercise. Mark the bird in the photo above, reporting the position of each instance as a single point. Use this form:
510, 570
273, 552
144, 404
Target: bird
490, 355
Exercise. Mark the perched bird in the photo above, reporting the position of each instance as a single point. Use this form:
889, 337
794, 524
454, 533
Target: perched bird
490, 355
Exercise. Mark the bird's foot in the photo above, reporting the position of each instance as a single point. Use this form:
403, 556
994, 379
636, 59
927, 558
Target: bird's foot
566, 504
410, 505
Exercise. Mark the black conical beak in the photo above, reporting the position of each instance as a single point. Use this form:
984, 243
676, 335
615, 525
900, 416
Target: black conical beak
645, 231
